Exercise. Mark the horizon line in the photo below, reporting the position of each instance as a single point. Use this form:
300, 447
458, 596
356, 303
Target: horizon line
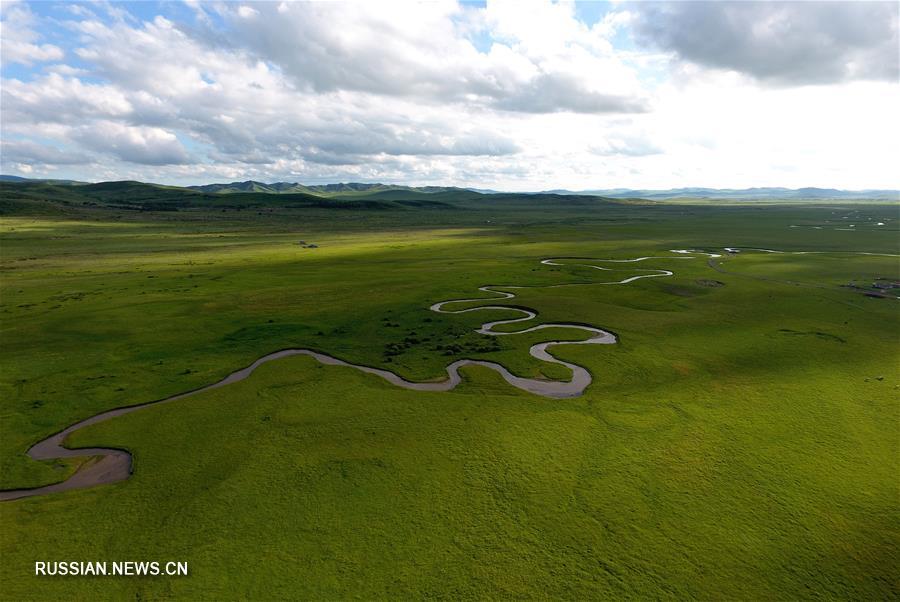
14, 177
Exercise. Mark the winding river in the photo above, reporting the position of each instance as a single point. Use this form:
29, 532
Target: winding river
108, 465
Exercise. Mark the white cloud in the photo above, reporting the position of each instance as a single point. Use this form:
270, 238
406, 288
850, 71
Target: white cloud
419, 50
19, 40
55, 98
137, 144
504, 96
783, 43
25, 152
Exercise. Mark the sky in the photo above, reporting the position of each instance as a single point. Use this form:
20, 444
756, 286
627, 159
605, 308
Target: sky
511, 95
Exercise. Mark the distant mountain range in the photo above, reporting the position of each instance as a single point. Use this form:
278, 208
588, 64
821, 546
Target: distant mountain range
41, 180
360, 189
739, 193
618, 193
318, 189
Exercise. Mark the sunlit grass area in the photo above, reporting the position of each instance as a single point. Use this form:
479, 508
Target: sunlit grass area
739, 441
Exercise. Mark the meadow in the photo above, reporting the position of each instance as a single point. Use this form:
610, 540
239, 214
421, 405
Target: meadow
738, 442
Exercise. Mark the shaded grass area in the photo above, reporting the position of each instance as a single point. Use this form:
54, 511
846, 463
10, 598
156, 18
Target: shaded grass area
736, 443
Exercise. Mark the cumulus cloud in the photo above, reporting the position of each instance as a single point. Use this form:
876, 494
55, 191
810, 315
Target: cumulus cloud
161, 79
138, 144
784, 43
30, 152
500, 96
423, 51
55, 98
19, 40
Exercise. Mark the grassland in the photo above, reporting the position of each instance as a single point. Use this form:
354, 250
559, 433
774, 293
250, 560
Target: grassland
740, 441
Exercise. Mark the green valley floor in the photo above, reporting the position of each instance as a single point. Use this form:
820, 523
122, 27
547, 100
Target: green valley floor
738, 441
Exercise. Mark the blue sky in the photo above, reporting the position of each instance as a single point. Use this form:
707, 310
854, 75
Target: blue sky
514, 95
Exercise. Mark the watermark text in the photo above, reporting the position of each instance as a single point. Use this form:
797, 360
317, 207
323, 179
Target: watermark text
102, 568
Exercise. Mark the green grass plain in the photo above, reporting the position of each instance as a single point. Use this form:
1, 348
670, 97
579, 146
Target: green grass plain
739, 442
